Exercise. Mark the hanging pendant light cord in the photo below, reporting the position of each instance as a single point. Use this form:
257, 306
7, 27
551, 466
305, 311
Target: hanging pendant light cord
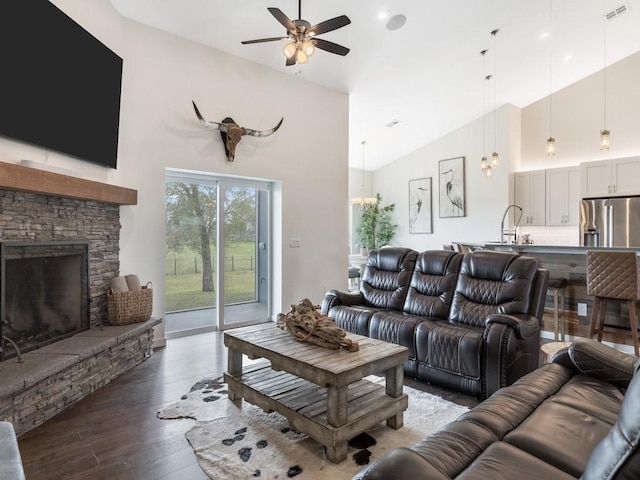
362, 186
550, 61
605, 66
495, 135
484, 103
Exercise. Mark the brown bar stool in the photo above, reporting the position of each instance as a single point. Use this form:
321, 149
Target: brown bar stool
613, 276
557, 286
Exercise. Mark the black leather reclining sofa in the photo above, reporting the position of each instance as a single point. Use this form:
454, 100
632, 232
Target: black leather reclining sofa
471, 322
576, 417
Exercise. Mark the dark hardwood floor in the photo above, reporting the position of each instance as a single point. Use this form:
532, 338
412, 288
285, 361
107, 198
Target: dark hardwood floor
114, 433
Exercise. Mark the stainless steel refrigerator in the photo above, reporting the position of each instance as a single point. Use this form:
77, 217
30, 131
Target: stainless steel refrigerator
610, 222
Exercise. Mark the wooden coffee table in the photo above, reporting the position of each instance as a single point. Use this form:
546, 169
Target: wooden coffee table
320, 391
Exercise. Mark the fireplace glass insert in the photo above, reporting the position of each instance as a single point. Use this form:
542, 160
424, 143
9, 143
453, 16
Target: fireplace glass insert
44, 293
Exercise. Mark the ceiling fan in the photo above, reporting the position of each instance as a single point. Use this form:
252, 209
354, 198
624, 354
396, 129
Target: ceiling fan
302, 36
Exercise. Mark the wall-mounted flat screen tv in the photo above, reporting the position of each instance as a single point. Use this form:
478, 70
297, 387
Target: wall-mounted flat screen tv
59, 85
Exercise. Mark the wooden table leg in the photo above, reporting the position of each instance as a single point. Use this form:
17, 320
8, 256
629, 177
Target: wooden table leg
394, 383
234, 368
338, 453
337, 417
337, 405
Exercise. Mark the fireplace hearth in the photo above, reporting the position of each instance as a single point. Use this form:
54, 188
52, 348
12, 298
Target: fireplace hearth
44, 294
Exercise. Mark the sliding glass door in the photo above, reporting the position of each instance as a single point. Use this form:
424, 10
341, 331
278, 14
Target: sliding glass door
217, 266
243, 278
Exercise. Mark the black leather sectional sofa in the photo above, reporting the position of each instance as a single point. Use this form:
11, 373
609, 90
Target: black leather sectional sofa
576, 417
471, 322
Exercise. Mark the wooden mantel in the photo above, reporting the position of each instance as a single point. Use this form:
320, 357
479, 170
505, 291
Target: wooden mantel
33, 180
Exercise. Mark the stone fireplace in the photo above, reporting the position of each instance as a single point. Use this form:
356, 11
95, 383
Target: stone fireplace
59, 248
29, 217
37, 219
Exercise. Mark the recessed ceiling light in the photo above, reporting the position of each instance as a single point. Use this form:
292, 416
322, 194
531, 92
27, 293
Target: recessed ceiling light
544, 35
396, 22
384, 14
568, 58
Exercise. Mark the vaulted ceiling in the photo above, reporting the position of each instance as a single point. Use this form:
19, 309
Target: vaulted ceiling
428, 75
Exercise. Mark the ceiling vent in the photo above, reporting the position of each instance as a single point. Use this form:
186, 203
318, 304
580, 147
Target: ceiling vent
616, 12
392, 123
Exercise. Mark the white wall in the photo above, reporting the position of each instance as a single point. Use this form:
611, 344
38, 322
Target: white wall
577, 118
486, 197
158, 129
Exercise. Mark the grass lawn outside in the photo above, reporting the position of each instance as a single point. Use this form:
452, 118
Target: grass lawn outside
183, 278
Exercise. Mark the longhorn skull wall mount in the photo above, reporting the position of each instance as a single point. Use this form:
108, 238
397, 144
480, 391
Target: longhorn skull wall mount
232, 133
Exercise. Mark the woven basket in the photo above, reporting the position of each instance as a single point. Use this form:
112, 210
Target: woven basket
125, 308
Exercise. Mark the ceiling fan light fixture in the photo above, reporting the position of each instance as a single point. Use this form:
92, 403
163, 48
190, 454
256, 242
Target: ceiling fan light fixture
290, 49
301, 36
301, 57
308, 48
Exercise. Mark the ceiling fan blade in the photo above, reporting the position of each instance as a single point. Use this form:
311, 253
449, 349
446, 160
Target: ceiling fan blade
290, 61
330, 46
329, 25
262, 40
282, 18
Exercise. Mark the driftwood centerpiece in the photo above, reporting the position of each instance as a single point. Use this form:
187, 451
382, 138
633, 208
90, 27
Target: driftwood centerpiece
306, 324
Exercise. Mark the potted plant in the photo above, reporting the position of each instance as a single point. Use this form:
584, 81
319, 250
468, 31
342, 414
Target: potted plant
376, 227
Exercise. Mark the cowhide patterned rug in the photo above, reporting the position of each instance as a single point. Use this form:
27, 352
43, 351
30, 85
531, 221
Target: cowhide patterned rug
244, 443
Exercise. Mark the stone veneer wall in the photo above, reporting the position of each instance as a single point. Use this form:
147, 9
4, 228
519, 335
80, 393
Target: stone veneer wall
53, 378
42, 218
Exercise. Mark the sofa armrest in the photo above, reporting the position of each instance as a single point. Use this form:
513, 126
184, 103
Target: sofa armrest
400, 463
525, 326
512, 349
599, 361
617, 456
336, 297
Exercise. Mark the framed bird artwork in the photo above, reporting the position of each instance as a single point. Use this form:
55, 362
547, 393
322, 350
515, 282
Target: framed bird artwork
420, 206
451, 180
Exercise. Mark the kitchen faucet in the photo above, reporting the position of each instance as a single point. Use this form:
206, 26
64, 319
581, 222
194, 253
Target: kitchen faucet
507, 233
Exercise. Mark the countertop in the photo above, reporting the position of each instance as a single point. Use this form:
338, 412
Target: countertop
540, 248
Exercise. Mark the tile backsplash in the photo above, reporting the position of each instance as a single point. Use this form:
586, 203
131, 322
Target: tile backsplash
560, 236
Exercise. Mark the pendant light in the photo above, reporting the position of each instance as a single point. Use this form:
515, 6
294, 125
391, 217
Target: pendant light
484, 164
605, 140
486, 167
494, 156
551, 141
362, 201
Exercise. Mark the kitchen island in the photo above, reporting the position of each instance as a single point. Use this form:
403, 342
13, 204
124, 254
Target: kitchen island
569, 262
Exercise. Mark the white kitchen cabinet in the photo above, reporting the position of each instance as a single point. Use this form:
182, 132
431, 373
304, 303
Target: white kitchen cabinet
611, 178
530, 195
563, 196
